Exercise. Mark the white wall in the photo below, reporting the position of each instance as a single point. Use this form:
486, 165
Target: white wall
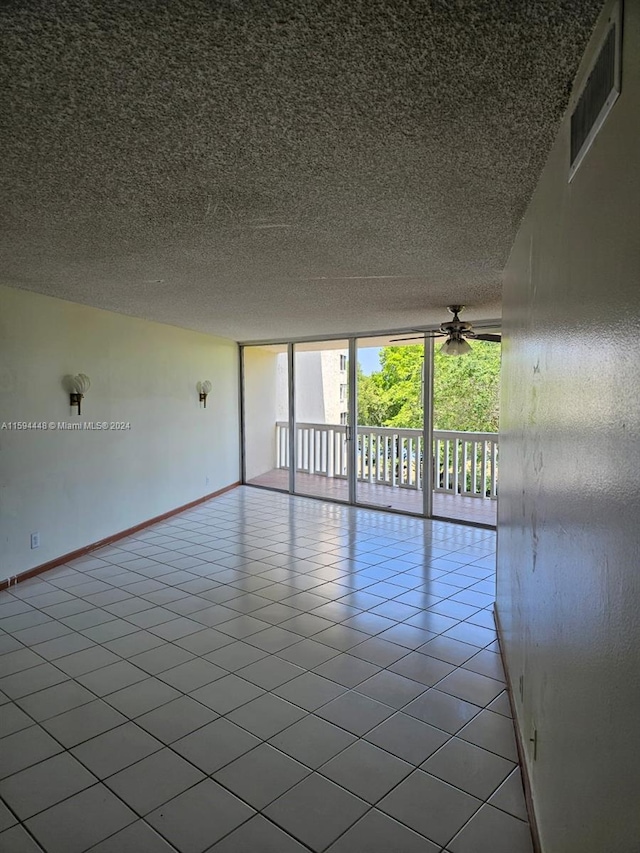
568, 594
260, 409
76, 488
309, 388
318, 378
332, 378
282, 386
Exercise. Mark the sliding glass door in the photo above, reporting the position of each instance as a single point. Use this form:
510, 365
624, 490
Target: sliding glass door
390, 434
322, 425
341, 420
466, 400
375, 421
266, 416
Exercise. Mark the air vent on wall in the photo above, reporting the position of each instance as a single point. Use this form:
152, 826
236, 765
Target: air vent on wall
599, 92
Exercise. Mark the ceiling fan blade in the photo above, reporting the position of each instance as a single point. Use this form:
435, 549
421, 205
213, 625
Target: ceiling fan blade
495, 338
495, 325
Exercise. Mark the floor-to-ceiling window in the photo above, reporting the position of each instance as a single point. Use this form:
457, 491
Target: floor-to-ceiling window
265, 394
466, 399
390, 424
386, 421
321, 394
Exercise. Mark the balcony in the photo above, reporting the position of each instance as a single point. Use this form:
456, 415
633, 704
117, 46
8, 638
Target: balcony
390, 471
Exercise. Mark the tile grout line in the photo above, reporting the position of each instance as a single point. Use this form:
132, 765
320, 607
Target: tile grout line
236, 585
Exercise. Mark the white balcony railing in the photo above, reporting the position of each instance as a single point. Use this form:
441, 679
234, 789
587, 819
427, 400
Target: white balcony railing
464, 463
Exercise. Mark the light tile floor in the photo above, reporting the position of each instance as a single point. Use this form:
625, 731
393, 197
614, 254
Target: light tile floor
261, 674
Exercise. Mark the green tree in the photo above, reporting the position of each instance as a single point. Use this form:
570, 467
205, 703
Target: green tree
401, 382
371, 405
466, 389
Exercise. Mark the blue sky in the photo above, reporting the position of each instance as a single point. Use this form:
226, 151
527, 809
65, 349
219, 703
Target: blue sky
369, 359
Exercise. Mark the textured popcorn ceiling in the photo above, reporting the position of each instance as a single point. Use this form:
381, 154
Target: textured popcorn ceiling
271, 168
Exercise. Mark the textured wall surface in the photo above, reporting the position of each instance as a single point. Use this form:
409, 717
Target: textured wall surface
273, 169
76, 488
569, 510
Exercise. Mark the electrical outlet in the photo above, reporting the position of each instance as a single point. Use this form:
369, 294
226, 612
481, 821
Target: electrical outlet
35, 540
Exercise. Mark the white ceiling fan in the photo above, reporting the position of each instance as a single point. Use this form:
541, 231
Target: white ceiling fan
456, 331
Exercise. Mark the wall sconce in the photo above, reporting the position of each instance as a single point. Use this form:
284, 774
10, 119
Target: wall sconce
204, 388
79, 384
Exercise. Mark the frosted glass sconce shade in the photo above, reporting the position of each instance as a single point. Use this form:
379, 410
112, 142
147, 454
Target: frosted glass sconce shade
80, 385
204, 388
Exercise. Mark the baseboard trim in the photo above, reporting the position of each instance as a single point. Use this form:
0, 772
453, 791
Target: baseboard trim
526, 783
81, 552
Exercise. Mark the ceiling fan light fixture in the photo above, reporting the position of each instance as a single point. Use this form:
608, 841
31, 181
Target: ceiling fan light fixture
455, 345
